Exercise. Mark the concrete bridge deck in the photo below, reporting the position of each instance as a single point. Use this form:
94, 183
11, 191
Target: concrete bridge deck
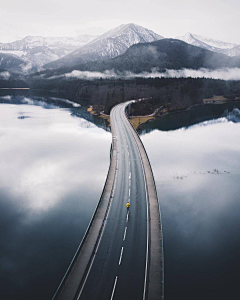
121, 254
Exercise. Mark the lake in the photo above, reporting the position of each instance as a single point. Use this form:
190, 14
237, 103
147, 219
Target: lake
53, 166
54, 158
197, 174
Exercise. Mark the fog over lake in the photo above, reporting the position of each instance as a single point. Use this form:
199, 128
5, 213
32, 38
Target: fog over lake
54, 159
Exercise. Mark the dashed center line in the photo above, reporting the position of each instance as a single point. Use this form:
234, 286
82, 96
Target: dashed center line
120, 259
125, 232
115, 282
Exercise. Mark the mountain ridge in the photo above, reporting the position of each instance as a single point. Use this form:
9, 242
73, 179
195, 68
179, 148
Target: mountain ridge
209, 44
37, 53
160, 55
110, 44
37, 50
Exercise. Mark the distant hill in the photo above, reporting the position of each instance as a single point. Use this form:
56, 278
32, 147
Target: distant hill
163, 54
106, 46
37, 50
229, 49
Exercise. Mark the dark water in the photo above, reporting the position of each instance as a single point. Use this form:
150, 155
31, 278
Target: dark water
53, 165
191, 116
197, 173
54, 159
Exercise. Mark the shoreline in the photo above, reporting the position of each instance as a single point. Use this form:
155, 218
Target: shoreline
136, 121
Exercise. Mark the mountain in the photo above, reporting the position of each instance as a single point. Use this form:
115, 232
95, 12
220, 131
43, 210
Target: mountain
210, 44
108, 45
10, 62
37, 51
159, 55
29, 42
235, 51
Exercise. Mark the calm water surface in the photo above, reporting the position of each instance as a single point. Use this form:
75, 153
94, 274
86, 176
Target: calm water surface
197, 173
53, 165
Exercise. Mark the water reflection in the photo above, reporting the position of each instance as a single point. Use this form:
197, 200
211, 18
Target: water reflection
197, 173
53, 167
52, 103
189, 117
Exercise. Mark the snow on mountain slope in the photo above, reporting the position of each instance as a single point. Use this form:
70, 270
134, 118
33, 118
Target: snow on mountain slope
51, 42
214, 43
36, 51
129, 34
108, 45
235, 51
210, 44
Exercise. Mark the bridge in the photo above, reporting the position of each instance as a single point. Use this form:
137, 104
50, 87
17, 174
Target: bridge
121, 254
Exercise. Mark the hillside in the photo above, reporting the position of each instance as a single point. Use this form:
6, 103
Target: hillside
10, 62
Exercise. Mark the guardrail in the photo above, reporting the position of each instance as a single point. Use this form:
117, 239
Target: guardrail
155, 288
113, 164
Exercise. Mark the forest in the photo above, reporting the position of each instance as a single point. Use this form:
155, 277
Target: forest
171, 93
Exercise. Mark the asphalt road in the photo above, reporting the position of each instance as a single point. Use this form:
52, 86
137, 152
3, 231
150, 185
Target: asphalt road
120, 266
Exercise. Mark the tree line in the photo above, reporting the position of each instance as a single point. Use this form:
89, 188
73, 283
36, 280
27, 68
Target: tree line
172, 93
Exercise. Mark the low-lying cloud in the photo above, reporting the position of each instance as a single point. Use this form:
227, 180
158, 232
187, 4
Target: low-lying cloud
224, 73
5, 75
94, 75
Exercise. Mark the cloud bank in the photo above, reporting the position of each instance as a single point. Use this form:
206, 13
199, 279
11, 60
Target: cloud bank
224, 73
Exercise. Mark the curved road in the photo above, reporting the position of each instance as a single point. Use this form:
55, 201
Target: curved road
120, 265
120, 257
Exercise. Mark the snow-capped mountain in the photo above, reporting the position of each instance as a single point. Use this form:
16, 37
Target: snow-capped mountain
108, 45
210, 44
30, 42
235, 51
36, 51
155, 57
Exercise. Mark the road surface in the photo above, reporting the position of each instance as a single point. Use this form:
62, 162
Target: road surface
122, 251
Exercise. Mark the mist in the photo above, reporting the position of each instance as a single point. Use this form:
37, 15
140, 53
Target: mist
5, 75
223, 73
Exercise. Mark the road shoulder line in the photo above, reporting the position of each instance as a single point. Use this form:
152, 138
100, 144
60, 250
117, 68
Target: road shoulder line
155, 284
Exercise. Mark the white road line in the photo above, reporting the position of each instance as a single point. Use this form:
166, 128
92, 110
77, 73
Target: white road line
129, 192
125, 232
129, 175
114, 287
127, 216
147, 202
120, 259
110, 204
79, 295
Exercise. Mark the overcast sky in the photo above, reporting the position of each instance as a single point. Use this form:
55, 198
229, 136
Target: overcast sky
219, 19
